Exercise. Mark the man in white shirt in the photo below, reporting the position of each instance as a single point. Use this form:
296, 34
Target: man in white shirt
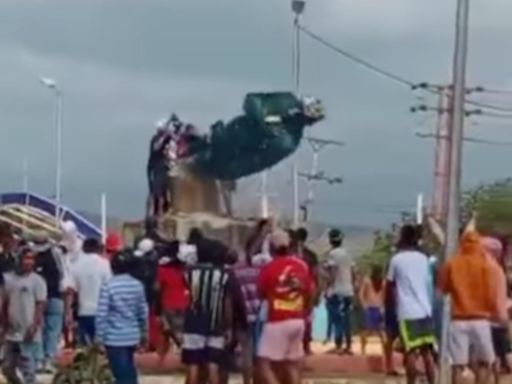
409, 276
89, 272
340, 291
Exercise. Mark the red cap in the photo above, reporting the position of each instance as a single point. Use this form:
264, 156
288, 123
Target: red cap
114, 242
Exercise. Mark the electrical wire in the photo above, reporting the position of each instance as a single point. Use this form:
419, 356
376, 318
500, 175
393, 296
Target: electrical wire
495, 115
473, 140
393, 76
356, 59
488, 106
497, 91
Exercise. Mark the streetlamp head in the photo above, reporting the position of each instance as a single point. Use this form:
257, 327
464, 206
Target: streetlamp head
47, 82
298, 6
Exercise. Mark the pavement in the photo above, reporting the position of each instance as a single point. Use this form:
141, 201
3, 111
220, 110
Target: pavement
179, 379
319, 364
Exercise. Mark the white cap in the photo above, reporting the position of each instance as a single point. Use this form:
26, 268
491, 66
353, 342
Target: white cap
187, 254
145, 246
69, 227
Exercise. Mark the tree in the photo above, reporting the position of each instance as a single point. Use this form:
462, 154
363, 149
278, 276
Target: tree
492, 204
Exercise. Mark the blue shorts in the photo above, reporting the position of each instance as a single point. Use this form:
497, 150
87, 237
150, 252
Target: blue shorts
373, 319
391, 325
86, 330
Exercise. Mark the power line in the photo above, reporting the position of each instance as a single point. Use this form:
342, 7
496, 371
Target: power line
468, 139
496, 115
489, 106
498, 91
398, 78
356, 59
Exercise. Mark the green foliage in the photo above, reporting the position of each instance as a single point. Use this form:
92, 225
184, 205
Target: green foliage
379, 254
492, 204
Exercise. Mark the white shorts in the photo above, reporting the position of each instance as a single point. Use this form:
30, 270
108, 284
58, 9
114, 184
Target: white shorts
282, 340
470, 339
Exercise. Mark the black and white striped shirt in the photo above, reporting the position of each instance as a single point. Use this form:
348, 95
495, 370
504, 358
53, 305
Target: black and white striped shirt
209, 286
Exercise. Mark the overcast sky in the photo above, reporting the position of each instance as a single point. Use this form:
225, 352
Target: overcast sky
123, 65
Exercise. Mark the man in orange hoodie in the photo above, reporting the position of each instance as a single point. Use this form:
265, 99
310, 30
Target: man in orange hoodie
467, 278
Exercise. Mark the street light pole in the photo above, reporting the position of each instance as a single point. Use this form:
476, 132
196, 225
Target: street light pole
58, 168
454, 187
53, 86
298, 7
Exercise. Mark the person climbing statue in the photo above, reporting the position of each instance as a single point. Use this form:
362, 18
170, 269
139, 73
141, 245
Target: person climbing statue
158, 166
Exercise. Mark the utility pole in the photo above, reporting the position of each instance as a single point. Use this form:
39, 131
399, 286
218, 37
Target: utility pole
443, 139
317, 145
442, 158
298, 7
454, 190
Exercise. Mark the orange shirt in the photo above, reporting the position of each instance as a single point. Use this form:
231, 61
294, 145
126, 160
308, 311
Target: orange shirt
467, 278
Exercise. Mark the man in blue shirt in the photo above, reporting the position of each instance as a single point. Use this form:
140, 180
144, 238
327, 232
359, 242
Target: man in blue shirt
122, 319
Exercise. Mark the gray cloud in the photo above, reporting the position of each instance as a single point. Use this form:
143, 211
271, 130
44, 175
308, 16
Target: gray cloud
125, 64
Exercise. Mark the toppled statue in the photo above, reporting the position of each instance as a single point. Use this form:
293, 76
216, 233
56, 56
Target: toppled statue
269, 131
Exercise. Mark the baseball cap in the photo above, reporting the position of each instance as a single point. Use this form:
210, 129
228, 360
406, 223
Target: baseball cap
145, 246
113, 242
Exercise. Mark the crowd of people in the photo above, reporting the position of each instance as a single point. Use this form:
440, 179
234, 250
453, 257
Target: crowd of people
204, 300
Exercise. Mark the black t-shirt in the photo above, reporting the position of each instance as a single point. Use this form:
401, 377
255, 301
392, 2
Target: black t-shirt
145, 270
7, 263
46, 266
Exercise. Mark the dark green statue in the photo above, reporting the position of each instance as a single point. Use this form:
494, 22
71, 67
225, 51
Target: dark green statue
270, 130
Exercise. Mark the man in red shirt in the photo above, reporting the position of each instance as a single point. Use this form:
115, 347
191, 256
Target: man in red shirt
173, 298
286, 285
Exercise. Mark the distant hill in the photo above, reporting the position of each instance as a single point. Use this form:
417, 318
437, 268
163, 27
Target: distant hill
113, 223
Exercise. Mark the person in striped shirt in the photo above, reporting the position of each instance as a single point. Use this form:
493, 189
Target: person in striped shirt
122, 319
207, 331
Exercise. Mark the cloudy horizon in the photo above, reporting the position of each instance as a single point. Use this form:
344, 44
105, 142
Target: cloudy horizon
123, 65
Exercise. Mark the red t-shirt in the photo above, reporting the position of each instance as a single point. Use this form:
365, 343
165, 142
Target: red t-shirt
287, 285
174, 293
